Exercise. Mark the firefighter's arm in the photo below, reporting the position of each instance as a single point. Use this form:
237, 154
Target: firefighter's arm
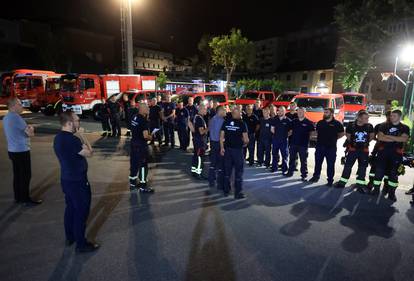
147, 135
289, 133
222, 143
257, 128
83, 138
272, 129
348, 137
371, 136
202, 130
340, 135
385, 138
402, 138
245, 139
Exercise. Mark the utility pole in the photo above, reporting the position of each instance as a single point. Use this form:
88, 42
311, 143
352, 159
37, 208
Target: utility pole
126, 37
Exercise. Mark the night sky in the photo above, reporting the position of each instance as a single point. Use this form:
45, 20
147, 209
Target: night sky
178, 24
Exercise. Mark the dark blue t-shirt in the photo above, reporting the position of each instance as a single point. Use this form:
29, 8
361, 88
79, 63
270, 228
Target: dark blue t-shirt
73, 166
199, 122
154, 115
168, 108
282, 128
301, 132
251, 122
328, 132
233, 133
181, 117
265, 132
139, 124
192, 110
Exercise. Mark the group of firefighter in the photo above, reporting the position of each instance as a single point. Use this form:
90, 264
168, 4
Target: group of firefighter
269, 137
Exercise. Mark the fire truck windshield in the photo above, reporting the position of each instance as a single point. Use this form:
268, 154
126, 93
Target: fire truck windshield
20, 82
69, 85
312, 104
349, 99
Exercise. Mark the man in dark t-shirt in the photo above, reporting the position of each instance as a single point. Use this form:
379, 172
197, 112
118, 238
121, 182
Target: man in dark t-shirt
252, 123
154, 118
391, 137
233, 137
358, 134
328, 130
199, 142
72, 154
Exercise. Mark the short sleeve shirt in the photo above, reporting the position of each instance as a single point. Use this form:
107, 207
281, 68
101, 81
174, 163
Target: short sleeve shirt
233, 133
390, 129
251, 122
181, 117
139, 124
359, 134
282, 128
328, 132
67, 146
14, 129
265, 132
192, 110
168, 108
199, 122
154, 115
301, 130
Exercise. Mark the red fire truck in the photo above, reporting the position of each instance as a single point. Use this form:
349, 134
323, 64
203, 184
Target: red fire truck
26, 84
353, 102
83, 93
49, 101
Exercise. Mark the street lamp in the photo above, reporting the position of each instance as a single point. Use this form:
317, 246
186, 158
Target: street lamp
408, 56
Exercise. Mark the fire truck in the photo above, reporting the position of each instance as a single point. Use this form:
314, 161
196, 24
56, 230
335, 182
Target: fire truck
82, 93
49, 101
26, 84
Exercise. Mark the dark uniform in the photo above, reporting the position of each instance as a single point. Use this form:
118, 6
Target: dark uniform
192, 110
128, 115
373, 161
280, 142
155, 121
358, 149
233, 155
292, 115
181, 121
251, 122
389, 158
258, 112
139, 154
115, 111
299, 142
326, 147
75, 185
104, 115
264, 144
199, 142
168, 108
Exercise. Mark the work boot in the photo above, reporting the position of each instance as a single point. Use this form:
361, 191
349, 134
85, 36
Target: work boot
239, 195
104, 134
391, 194
146, 190
128, 134
329, 184
410, 191
89, 247
288, 174
375, 191
313, 179
340, 184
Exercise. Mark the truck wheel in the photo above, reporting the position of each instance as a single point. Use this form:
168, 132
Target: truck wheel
34, 109
49, 110
96, 111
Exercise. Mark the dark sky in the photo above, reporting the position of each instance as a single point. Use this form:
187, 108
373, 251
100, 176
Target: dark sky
178, 24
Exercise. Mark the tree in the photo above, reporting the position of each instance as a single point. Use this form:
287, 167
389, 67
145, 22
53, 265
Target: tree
161, 81
206, 51
363, 29
231, 50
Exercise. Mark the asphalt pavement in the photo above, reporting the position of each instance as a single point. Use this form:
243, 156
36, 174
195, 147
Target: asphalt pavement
284, 230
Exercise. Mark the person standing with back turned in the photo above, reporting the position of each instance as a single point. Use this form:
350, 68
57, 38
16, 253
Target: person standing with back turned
72, 154
18, 145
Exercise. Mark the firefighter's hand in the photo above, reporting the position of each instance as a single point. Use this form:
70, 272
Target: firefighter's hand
222, 151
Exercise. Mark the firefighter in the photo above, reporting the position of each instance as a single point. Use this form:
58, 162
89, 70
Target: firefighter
139, 151
391, 137
199, 141
373, 157
233, 137
252, 123
281, 130
216, 168
104, 114
302, 128
192, 110
115, 111
272, 110
155, 118
328, 130
181, 121
168, 116
126, 105
257, 109
292, 114
358, 134
264, 142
